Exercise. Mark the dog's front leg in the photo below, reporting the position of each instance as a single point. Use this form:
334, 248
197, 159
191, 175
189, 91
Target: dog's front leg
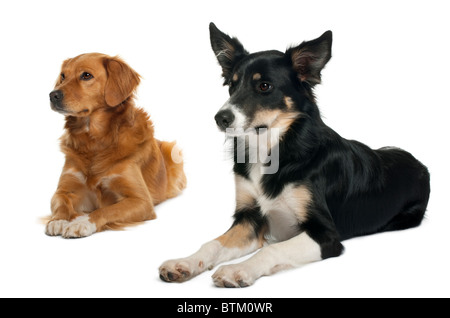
133, 203
245, 236
269, 260
67, 198
317, 241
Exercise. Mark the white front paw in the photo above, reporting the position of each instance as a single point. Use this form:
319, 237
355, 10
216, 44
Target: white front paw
236, 275
79, 227
180, 270
55, 227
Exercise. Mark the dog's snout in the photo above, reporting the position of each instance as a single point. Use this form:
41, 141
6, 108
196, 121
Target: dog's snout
224, 118
56, 96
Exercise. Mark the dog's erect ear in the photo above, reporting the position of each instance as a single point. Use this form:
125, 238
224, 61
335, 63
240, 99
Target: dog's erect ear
310, 57
121, 83
228, 51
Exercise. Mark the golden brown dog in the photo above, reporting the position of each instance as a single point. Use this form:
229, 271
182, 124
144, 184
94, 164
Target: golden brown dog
115, 170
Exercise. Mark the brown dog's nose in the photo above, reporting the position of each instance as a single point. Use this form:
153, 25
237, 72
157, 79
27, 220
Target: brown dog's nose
56, 96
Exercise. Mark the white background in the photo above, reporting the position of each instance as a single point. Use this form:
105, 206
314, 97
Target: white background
387, 84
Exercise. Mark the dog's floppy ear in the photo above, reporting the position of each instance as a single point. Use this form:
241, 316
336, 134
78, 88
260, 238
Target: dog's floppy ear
227, 50
121, 82
310, 57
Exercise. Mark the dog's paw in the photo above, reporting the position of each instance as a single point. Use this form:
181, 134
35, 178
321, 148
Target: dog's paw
233, 276
55, 227
178, 270
79, 227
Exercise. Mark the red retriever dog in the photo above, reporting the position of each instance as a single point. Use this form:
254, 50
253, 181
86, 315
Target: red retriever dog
115, 171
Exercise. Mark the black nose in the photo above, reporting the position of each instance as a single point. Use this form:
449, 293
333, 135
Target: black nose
56, 96
224, 118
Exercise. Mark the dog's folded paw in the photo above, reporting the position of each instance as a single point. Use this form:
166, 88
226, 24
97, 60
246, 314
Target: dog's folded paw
79, 227
232, 276
176, 271
55, 227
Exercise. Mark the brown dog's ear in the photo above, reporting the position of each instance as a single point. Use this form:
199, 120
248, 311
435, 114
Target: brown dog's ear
121, 82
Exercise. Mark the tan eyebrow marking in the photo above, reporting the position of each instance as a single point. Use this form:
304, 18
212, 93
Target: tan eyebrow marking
256, 76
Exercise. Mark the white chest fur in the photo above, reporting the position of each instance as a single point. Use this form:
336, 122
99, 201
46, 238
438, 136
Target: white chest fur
284, 213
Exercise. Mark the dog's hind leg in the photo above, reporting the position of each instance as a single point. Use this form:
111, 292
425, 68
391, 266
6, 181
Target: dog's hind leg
408, 179
411, 216
173, 160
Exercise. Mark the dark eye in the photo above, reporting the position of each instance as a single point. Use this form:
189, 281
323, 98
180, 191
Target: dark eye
86, 76
265, 87
62, 77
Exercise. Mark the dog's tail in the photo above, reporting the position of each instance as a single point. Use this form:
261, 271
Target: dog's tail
173, 159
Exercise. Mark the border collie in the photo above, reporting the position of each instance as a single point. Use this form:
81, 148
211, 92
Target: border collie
316, 190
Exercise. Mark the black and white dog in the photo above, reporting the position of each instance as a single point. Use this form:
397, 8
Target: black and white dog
324, 189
